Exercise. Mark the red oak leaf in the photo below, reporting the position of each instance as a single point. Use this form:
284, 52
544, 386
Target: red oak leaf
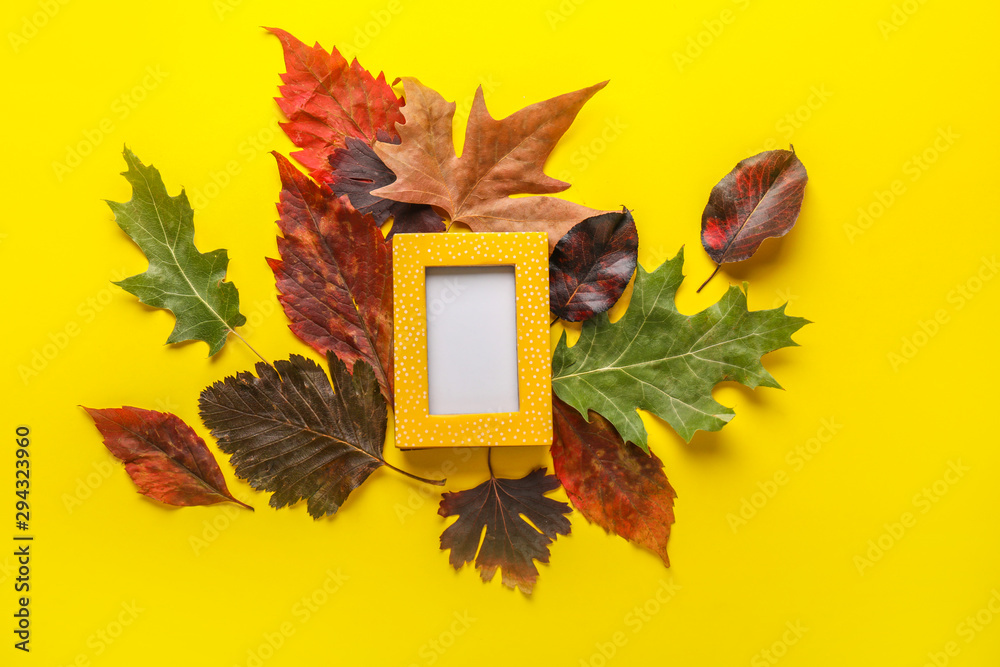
616, 485
164, 456
760, 198
591, 266
334, 277
500, 158
356, 170
327, 100
511, 543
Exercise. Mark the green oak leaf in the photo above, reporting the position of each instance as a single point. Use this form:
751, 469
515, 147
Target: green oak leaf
179, 278
660, 360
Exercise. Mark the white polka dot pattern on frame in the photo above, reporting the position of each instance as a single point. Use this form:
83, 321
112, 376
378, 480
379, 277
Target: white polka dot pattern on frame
528, 252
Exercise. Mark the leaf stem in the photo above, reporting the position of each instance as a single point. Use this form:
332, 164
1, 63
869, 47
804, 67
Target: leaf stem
240, 503
717, 267
249, 345
489, 461
435, 482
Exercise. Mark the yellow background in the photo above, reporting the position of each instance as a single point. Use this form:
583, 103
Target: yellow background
189, 88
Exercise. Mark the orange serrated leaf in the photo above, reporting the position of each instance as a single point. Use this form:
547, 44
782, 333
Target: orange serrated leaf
326, 99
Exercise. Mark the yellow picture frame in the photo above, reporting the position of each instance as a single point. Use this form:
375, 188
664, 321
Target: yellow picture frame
528, 253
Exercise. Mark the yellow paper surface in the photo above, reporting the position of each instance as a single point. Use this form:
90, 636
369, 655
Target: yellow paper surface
890, 105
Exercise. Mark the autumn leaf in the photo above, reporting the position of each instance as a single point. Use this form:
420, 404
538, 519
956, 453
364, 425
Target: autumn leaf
612, 483
334, 277
327, 100
164, 456
290, 432
511, 543
500, 158
655, 358
356, 170
759, 199
591, 266
179, 278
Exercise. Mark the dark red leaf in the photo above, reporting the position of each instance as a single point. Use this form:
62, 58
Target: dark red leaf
511, 543
334, 277
415, 218
164, 456
356, 170
616, 485
291, 432
327, 100
760, 198
591, 265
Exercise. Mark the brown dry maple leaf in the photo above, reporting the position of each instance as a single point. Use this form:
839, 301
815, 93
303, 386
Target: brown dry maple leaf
500, 158
613, 483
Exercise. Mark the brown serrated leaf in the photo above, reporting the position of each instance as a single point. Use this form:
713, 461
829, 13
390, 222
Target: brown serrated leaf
164, 456
511, 543
613, 483
500, 158
334, 277
289, 431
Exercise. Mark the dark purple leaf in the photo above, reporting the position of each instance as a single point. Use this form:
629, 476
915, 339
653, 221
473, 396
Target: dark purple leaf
591, 265
357, 170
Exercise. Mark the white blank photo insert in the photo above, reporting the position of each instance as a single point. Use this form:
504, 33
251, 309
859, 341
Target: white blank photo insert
471, 340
